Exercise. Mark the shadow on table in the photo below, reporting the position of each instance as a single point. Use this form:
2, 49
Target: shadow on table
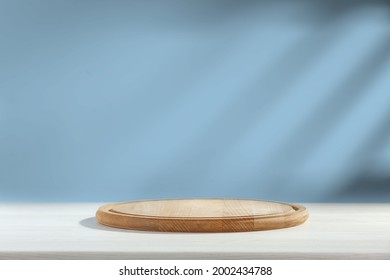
93, 224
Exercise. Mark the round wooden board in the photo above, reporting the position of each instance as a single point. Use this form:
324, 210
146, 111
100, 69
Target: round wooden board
201, 215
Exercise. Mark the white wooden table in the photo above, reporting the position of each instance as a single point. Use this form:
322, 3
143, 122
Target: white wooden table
70, 231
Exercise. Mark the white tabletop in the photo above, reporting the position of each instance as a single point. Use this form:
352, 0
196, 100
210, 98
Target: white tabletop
70, 231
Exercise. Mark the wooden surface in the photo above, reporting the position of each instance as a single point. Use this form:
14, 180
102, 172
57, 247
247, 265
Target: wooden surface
201, 215
70, 231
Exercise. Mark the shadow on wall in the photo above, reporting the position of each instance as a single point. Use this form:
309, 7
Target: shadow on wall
364, 189
284, 100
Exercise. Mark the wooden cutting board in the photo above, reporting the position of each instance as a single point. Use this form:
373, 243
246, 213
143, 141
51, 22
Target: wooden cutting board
201, 215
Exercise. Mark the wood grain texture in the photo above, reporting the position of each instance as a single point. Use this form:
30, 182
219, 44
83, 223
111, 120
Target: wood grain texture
202, 215
70, 231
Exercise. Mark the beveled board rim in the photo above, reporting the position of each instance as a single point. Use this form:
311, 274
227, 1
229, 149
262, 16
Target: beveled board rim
296, 207
107, 217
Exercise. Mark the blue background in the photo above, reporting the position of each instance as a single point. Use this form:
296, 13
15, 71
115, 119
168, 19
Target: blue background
120, 100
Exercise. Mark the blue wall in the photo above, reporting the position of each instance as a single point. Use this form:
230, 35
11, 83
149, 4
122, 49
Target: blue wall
120, 100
